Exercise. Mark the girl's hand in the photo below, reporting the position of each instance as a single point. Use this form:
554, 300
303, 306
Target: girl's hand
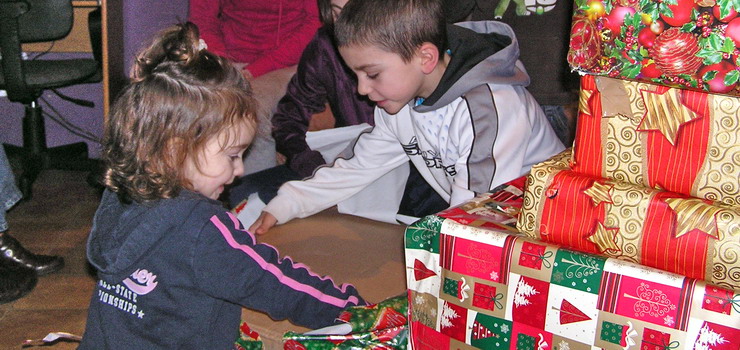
263, 223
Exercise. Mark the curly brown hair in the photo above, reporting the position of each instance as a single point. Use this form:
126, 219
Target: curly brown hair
180, 96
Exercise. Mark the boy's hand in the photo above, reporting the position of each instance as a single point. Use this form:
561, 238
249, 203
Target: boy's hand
263, 223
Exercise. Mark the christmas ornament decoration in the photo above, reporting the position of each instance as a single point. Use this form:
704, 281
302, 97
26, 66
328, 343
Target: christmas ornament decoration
585, 43
675, 52
669, 42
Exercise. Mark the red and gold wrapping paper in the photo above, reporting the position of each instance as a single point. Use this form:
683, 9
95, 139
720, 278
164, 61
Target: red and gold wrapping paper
678, 140
478, 287
691, 44
665, 230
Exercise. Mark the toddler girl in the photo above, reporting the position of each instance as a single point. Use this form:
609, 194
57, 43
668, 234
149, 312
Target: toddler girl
175, 267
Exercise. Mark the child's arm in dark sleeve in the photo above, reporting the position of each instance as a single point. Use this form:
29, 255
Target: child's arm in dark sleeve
230, 265
306, 95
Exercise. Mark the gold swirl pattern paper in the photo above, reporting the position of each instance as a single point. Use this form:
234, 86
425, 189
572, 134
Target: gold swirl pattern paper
538, 181
622, 231
630, 108
719, 177
623, 151
628, 213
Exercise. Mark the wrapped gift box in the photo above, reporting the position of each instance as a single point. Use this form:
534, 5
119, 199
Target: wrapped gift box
678, 140
665, 230
475, 286
681, 43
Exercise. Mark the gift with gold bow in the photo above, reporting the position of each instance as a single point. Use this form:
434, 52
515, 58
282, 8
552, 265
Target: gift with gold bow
681, 141
666, 230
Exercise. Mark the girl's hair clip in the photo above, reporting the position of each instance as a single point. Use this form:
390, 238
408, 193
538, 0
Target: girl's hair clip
202, 45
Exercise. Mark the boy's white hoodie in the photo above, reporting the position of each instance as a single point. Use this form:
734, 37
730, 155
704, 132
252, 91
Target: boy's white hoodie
478, 129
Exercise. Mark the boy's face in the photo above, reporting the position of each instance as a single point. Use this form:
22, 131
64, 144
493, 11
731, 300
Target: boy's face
383, 76
219, 165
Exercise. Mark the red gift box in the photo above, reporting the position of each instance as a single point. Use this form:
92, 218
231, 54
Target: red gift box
533, 255
720, 300
655, 340
677, 140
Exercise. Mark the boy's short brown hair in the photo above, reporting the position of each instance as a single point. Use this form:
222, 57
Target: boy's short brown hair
180, 96
397, 26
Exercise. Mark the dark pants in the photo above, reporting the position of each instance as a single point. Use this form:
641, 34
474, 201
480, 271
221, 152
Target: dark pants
419, 199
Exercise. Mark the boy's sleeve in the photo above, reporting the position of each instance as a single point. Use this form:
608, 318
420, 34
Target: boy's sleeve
375, 154
306, 95
205, 14
230, 265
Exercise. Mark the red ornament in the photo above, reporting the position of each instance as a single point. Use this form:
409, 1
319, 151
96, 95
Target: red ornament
733, 31
730, 16
585, 44
615, 18
681, 13
675, 52
646, 37
717, 84
650, 70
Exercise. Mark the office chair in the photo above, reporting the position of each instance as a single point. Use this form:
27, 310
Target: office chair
28, 21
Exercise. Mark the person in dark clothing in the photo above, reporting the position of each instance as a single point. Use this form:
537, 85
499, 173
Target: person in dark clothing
175, 267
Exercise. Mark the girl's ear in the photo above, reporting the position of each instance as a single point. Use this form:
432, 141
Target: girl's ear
429, 56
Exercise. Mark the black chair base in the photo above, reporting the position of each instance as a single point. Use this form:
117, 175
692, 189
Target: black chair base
68, 157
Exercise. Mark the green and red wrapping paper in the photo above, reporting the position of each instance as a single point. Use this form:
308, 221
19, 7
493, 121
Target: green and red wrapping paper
678, 140
381, 326
665, 230
480, 287
691, 44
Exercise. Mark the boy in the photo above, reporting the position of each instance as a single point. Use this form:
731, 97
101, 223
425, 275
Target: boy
450, 99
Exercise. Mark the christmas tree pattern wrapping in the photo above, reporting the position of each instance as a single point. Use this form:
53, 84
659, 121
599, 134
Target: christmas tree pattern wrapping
378, 326
668, 231
679, 140
680, 43
481, 287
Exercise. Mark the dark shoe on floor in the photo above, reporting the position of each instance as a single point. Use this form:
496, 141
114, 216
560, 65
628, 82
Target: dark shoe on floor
15, 281
12, 251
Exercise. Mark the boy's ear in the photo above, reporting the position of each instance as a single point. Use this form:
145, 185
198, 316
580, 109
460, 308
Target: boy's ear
429, 56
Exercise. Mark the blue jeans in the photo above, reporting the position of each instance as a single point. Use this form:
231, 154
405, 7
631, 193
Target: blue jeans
560, 123
9, 193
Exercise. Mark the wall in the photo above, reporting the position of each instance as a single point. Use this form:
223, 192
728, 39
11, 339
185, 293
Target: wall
131, 24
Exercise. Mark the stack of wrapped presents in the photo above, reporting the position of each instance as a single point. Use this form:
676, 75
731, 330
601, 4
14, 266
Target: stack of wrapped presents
631, 238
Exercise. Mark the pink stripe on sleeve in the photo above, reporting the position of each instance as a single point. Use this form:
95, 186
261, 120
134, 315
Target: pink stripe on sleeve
275, 270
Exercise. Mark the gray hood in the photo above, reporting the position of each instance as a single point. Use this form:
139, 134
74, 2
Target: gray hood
484, 52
